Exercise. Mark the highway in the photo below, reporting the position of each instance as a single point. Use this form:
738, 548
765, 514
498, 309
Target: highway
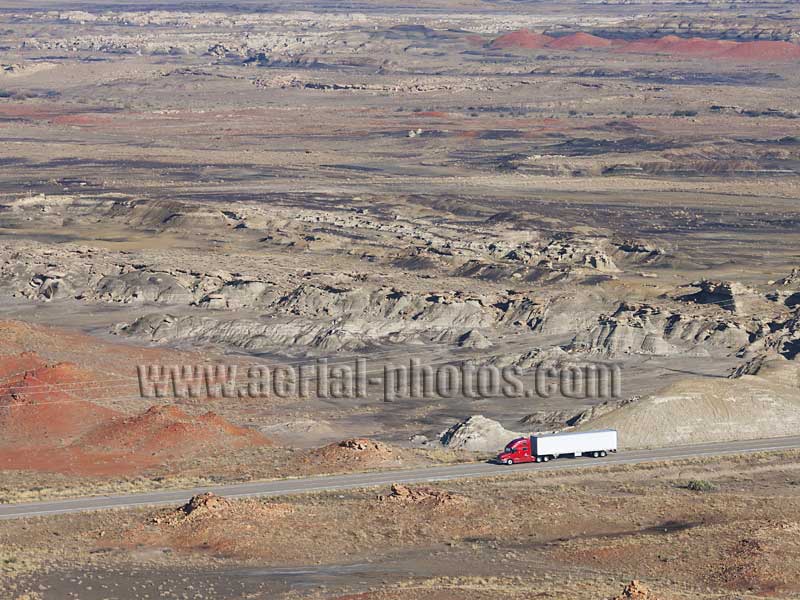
285, 487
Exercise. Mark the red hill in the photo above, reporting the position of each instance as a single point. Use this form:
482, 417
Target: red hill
704, 48
763, 50
169, 431
43, 406
46, 424
522, 38
14, 365
575, 41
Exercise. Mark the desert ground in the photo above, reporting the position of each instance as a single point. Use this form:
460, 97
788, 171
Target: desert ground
537, 186
711, 529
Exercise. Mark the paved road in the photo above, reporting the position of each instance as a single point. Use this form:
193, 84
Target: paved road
286, 487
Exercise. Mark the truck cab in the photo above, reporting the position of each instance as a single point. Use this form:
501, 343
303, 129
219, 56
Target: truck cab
517, 450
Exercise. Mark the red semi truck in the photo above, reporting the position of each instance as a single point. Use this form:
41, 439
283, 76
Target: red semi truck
541, 448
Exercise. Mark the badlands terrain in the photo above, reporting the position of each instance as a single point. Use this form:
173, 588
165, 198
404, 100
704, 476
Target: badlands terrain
490, 184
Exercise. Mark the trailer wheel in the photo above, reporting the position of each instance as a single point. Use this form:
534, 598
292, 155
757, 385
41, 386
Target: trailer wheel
603, 453
595, 454
509, 461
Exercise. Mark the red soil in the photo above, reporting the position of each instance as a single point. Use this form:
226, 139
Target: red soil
672, 45
764, 50
12, 338
73, 461
52, 416
522, 38
12, 365
351, 453
703, 48
112, 368
163, 430
38, 111
42, 406
47, 424
474, 40
574, 41
120, 445
82, 119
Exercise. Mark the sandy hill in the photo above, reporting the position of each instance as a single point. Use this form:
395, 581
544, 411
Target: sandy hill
696, 410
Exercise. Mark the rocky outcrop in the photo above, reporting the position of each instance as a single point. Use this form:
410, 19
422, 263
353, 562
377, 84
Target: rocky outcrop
420, 495
554, 356
635, 590
287, 336
640, 252
142, 286
474, 339
771, 366
650, 330
477, 434
241, 293
586, 252
787, 289
451, 310
353, 453
780, 337
728, 295
95, 275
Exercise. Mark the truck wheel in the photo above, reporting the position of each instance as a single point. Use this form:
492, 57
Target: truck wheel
603, 453
545, 458
509, 461
595, 454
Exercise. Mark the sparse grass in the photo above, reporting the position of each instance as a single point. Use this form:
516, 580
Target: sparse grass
597, 526
441, 455
104, 487
13, 561
26, 487
262, 464
700, 485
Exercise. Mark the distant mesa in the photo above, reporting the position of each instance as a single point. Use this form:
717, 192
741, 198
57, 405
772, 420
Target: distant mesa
671, 45
764, 50
704, 48
578, 40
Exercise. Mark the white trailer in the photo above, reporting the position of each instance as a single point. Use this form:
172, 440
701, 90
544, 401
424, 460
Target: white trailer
591, 443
